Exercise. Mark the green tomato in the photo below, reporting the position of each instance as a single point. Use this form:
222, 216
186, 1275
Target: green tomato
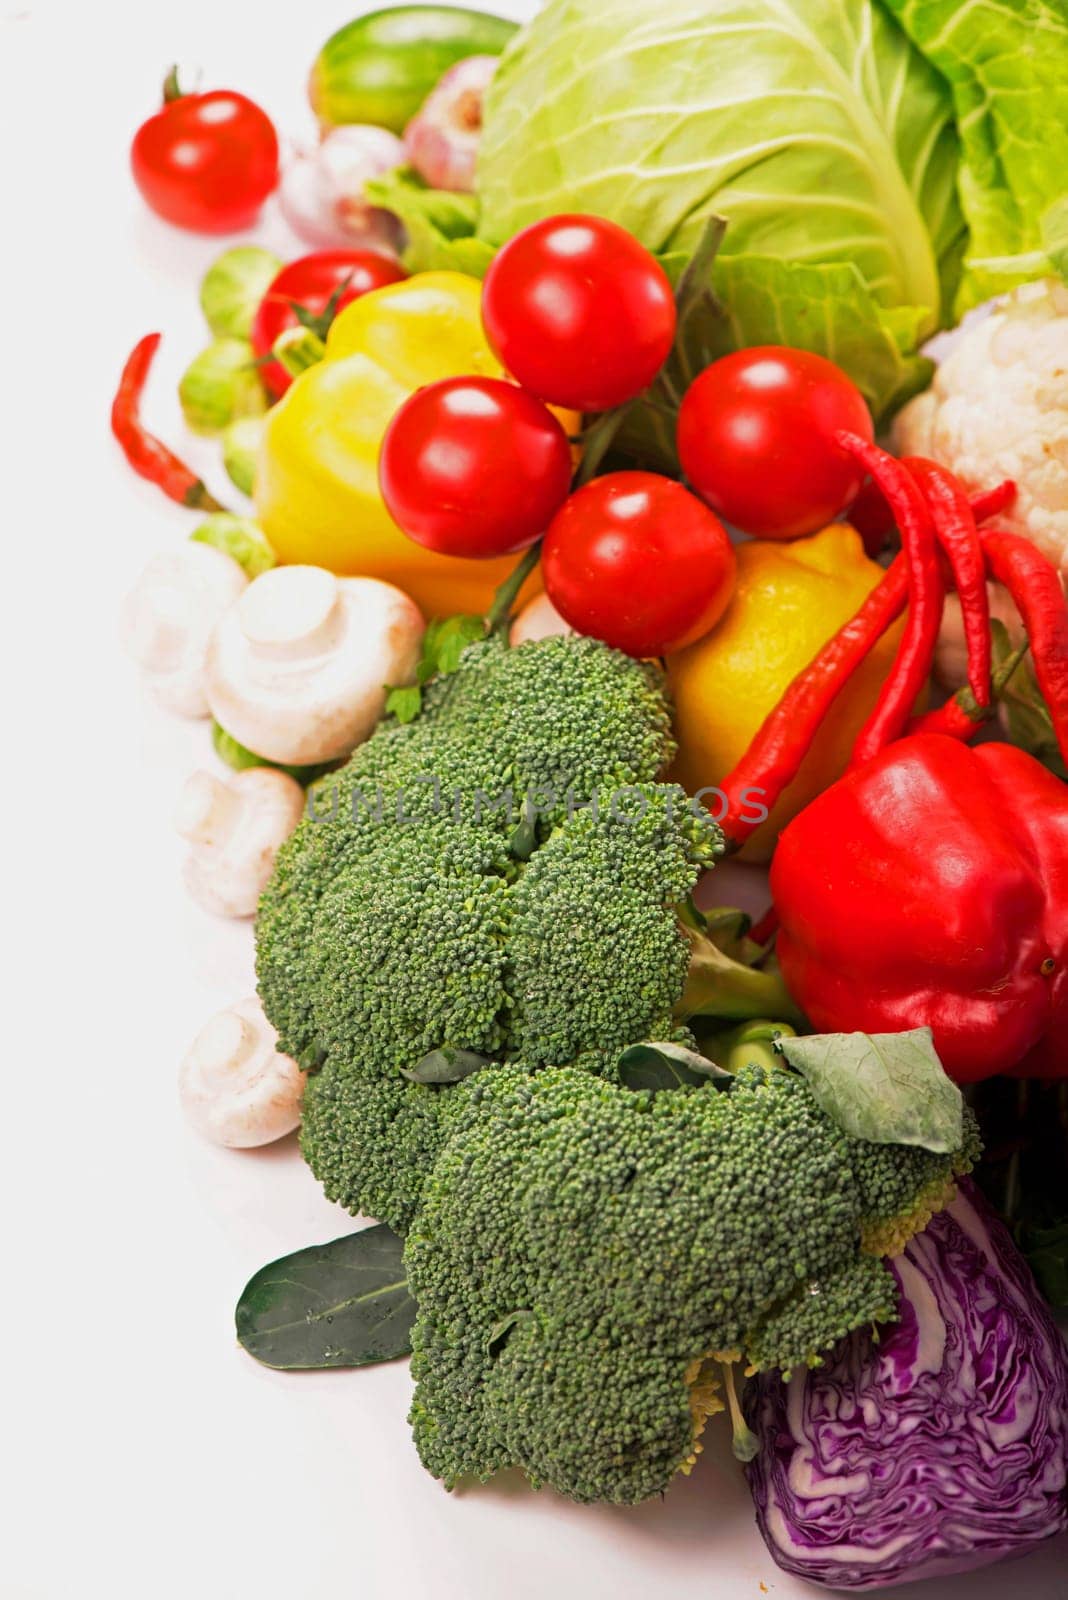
221, 384
233, 286
241, 448
238, 537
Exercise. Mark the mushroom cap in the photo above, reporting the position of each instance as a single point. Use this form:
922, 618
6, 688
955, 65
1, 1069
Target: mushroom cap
236, 827
235, 1087
296, 670
168, 616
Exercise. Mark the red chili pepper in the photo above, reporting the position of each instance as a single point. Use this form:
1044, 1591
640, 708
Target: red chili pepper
957, 533
930, 889
926, 597
777, 750
148, 456
782, 740
1035, 586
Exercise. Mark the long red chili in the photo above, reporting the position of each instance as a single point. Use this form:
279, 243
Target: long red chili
1035, 586
926, 597
956, 531
148, 456
782, 740
780, 744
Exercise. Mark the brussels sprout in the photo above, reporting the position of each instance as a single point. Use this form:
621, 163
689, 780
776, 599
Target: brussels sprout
232, 288
237, 756
220, 384
241, 448
238, 537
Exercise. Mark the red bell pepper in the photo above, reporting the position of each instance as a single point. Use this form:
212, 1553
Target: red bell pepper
930, 887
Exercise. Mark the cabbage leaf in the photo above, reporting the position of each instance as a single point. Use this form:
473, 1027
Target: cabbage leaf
1006, 62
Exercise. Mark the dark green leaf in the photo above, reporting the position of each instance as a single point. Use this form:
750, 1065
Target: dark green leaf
696, 279
446, 1066
888, 1088
500, 1331
524, 839
1046, 1250
404, 703
663, 1065
343, 1304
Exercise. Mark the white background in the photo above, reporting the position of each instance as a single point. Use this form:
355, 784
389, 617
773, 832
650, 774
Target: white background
145, 1455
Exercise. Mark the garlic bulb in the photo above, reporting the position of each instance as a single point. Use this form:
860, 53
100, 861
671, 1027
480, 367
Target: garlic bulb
322, 190
442, 139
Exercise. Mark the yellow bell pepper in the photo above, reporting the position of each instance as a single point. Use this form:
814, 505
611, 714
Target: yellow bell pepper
316, 487
788, 601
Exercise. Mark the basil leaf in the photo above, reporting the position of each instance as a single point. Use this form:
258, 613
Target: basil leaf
888, 1088
446, 1066
342, 1304
657, 1065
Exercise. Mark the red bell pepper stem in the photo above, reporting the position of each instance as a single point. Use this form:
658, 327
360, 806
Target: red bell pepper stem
956, 531
148, 456
1035, 586
926, 596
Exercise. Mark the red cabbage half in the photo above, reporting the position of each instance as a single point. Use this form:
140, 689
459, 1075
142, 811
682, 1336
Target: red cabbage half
937, 1448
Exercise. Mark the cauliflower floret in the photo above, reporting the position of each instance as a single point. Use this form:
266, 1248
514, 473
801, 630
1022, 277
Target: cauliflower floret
998, 408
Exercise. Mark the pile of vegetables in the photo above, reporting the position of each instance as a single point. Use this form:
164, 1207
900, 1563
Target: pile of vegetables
570, 567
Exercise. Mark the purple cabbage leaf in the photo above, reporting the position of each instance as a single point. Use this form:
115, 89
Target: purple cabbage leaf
935, 1448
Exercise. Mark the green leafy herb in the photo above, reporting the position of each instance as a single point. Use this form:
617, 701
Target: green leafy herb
446, 1066
889, 1088
444, 642
343, 1304
663, 1065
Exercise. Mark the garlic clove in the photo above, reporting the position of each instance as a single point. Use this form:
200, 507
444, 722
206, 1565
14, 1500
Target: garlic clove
539, 619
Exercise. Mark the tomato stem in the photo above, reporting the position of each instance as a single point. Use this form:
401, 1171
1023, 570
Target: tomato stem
171, 87
499, 614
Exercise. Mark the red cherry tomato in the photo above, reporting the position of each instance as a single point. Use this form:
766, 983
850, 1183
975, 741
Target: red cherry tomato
756, 440
310, 281
206, 161
579, 312
637, 560
474, 467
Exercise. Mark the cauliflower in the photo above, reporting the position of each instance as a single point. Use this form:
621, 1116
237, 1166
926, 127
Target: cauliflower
998, 408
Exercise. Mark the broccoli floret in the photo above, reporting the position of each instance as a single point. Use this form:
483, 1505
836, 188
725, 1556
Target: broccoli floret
587, 1258
403, 916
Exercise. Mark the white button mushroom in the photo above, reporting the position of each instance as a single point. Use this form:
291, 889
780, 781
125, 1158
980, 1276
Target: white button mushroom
235, 1087
236, 827
168, 617
539, 619
297, 669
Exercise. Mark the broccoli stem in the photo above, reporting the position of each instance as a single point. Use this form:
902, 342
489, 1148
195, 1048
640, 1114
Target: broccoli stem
744, 1441
718, 986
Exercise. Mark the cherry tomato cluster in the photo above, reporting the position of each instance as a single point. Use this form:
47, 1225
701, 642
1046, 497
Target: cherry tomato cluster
582, 317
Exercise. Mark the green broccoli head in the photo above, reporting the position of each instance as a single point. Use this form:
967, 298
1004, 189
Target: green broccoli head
403, 916
586, 1258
